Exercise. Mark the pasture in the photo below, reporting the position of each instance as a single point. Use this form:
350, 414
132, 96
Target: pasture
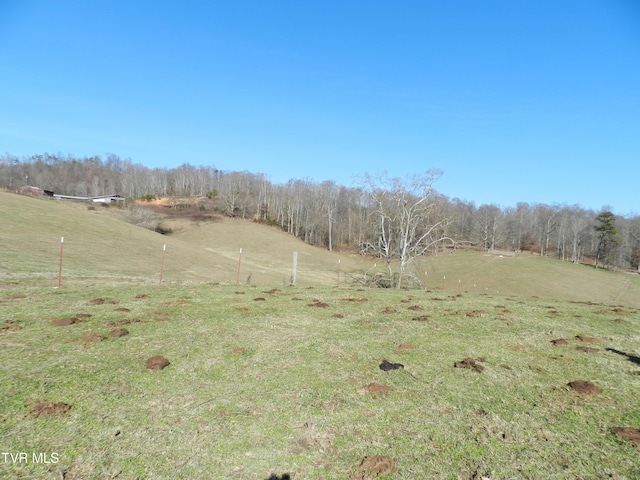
281, 380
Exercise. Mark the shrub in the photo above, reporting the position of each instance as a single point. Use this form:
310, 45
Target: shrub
142, 217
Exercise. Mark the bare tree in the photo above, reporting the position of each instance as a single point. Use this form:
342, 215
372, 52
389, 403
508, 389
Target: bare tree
405, 222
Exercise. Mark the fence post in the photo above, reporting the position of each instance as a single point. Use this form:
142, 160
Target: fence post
294, 270
164, 249
374, 284
60, 266
238, 272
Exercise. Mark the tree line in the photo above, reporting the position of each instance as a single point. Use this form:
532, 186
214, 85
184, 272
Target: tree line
395, 219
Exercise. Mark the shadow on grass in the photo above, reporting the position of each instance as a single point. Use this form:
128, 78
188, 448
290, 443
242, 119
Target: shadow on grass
632, 358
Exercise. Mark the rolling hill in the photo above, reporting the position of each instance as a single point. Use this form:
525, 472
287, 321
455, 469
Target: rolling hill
99, 247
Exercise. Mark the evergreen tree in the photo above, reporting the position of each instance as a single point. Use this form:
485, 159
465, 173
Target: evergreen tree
608, 240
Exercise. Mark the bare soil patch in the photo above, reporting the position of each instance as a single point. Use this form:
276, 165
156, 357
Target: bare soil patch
559, 341
470, 363
474, 314
102, 301
318, 304
376, 388
357, 300
142, 295
157, 362
388, 311
117, 323
585, 339
238, 350
421, 318
584, 386
11, 326
338, 315
92, 337
83, 315
415, 308
63, 322
273, 291
259, 299
119, 332
629, 434
405, 346
373, 467
122, 309
47, 408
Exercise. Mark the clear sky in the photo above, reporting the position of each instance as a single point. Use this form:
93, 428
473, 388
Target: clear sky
515, 100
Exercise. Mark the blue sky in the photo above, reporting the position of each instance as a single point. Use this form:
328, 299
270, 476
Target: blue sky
516, 101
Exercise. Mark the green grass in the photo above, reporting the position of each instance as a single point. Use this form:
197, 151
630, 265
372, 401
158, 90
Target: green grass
275, 386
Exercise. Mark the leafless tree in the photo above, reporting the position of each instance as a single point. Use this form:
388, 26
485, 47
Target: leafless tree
405, 224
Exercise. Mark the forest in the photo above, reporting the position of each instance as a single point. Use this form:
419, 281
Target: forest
392, 218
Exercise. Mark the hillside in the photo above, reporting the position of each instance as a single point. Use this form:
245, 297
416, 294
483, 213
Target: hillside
100, 247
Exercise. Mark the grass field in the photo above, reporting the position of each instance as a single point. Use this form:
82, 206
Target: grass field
287, 380
267, 378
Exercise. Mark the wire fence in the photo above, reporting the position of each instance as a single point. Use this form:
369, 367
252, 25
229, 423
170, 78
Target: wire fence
69, 261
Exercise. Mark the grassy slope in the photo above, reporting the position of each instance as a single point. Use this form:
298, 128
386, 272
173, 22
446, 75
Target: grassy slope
100, 247
274, 386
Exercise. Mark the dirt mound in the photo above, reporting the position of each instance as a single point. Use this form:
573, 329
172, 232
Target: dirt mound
629, 434
338, 315
373, 467
415, 308
583, 386
474, 314
12, 326
471, 364
421, 318
122, 309
388, 311
238, 350
582, 338
405, 346
83, 315
357, 300
318, 304
92, 337
157, 362
559, 341
142, 295
376, 389
102, 301
47, 408
117, 323
62, 322
119, 332
260, 299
